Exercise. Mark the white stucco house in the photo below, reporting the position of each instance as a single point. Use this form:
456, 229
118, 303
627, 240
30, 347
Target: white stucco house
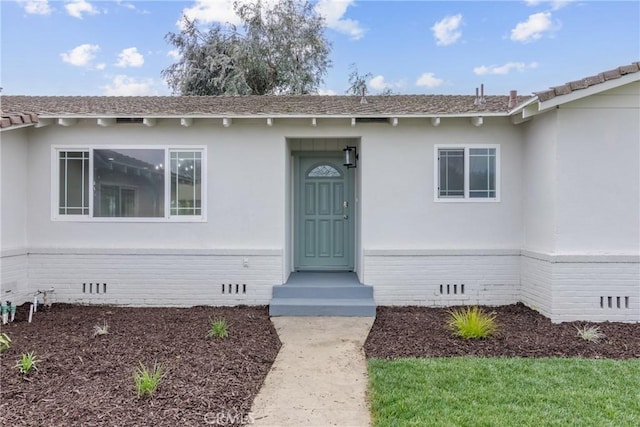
446, 200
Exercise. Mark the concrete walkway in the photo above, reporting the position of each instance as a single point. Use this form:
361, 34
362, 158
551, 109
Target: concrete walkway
319, 377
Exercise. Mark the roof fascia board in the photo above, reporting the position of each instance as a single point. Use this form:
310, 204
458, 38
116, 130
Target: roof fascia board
274, 116
591, 90
21, 126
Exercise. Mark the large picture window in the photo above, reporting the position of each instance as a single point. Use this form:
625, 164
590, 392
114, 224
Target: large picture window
130, 183
468, 173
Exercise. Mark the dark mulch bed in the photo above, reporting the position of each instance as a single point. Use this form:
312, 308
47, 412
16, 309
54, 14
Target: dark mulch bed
423, 332
86, 381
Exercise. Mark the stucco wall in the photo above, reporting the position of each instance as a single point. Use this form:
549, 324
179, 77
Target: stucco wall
598, 199
582, 208
398, 189
13, 213
13, 186
539, 182
244, 165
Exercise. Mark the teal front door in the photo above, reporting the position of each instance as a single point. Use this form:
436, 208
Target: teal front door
323, 213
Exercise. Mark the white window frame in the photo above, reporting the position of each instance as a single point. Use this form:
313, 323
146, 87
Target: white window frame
55, 184
465, 198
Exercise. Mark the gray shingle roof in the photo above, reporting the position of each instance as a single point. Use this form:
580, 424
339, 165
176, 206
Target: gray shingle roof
16, 119
586, 82
238, 106
17, 110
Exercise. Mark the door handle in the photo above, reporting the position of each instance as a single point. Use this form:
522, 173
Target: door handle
345, 216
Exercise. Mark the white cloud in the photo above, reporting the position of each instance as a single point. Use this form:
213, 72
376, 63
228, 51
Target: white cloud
174, 54
333, 11
131, 6
429, 80
533, 28
122, 85
101, 66
208, 11
504, 69
76, 8
555, 4
446, 31
81, 56
130, 57
36, 7
379, 83
326, 92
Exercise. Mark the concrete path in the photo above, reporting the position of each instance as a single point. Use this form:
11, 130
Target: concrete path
319, 377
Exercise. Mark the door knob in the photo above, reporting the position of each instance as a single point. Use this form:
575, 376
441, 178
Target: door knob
345, 216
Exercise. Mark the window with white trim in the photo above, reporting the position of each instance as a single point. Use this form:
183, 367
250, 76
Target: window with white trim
467, 173
130, 183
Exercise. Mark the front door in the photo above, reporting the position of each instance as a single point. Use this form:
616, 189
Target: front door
323, 213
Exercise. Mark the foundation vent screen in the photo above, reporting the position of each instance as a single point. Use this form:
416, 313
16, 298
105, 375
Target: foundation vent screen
234, 288
94, 288
615, 302
449, 289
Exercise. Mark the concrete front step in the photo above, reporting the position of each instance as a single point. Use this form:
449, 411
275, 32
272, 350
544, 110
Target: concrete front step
323, 294
323, 291
355, 307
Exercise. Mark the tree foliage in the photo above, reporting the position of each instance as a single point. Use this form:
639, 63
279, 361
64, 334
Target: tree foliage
357, 81
279, 49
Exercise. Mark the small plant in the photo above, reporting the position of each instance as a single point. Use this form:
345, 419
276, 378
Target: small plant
101, 329
147, 381
590, 333
27, 363
472, 322
218, 328
4, 342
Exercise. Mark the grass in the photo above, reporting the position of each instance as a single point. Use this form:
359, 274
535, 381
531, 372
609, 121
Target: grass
504, 392
218, 328
147, 381
27, 363
472, 323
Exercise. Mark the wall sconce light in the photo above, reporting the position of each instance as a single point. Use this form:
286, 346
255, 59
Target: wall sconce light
350, 157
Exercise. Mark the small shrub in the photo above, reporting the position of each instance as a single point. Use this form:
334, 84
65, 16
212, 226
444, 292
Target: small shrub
27, 363
147, 381
4, 342
101, 329
472, 322
218, 328
590, 333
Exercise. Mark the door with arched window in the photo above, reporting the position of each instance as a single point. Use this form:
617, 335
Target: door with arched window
323, 213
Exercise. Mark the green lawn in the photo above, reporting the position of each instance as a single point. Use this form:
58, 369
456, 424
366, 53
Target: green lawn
504, 392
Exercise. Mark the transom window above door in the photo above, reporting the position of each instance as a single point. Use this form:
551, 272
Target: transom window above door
130, 183
323, 171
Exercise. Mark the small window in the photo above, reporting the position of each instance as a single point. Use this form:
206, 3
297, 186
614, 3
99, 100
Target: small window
324, 171
467, 173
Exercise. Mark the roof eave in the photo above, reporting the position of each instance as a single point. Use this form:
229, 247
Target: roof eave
591, 90
274, 116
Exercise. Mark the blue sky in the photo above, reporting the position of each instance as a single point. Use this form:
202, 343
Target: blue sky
84, 47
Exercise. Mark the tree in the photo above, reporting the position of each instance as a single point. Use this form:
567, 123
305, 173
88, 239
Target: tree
357, 82
279, 50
